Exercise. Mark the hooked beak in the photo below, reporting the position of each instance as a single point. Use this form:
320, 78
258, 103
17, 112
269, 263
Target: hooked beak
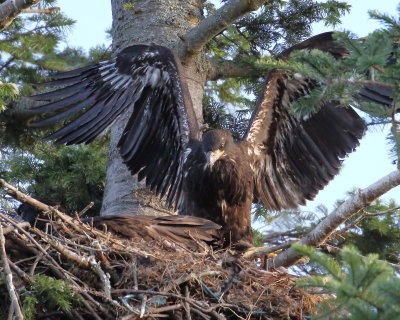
213, 156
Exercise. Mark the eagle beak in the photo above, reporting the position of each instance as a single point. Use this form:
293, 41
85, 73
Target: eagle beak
213, 156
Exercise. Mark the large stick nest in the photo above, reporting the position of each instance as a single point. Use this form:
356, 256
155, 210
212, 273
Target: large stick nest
115, 278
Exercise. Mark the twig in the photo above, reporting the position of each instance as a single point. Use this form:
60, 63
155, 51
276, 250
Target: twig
104, 278
21, 273
9, 278
164, 309
20, 225
143, 306
10, 9
186, 305
46, 11
35, 263
135, 279
77, 315
262, 251
380, 213
88, 207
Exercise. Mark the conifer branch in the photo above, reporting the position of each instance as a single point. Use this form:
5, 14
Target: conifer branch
10, 9
223, 69
327, 226
198, 37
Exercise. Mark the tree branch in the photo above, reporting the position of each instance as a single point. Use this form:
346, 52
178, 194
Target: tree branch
10, 9
327, 226
47, 11
198, 37
223, 69
9, 278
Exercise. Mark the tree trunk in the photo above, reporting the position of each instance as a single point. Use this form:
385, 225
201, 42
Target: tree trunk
164, 23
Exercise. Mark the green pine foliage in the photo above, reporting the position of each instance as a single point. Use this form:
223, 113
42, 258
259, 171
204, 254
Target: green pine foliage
361, 287
71, 177
49, 294
216, 116
8, 91
28, 47
262, 35
378, 232
265, 29
31, 50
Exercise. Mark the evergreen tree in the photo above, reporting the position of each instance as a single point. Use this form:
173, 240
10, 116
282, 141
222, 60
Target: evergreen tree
360, 287
29, 53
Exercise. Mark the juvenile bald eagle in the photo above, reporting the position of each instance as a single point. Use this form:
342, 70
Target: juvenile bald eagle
281, 161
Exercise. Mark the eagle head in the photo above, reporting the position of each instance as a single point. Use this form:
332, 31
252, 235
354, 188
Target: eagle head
215, 145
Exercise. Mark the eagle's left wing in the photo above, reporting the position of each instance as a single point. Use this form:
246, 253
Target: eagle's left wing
293, 159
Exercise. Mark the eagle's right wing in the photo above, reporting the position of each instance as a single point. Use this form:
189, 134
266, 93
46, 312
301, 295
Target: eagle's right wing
142, 82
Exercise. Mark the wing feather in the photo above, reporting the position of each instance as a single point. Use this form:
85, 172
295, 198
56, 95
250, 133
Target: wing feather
184, 230
293, 159
145, 81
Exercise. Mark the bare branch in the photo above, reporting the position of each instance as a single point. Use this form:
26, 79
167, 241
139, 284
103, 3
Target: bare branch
9, 278
373, 83
380, 213
10, 9
364, 215
199, 36
263, 251
47, 11
223, 69
327, 226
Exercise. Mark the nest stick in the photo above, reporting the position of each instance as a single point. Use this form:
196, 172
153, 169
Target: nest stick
21, 273
9, 278
88, 207
57, 268
20, 225
186, 305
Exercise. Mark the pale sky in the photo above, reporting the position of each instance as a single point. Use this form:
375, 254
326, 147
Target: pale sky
371, 160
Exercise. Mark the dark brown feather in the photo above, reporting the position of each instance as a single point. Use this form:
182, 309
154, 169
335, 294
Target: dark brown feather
185, 230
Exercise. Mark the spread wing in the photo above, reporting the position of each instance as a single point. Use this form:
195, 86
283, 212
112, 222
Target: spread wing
293, 159
143, 82
185, 230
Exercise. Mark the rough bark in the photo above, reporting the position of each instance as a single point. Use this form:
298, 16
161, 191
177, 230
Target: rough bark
327, 226
10, 9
